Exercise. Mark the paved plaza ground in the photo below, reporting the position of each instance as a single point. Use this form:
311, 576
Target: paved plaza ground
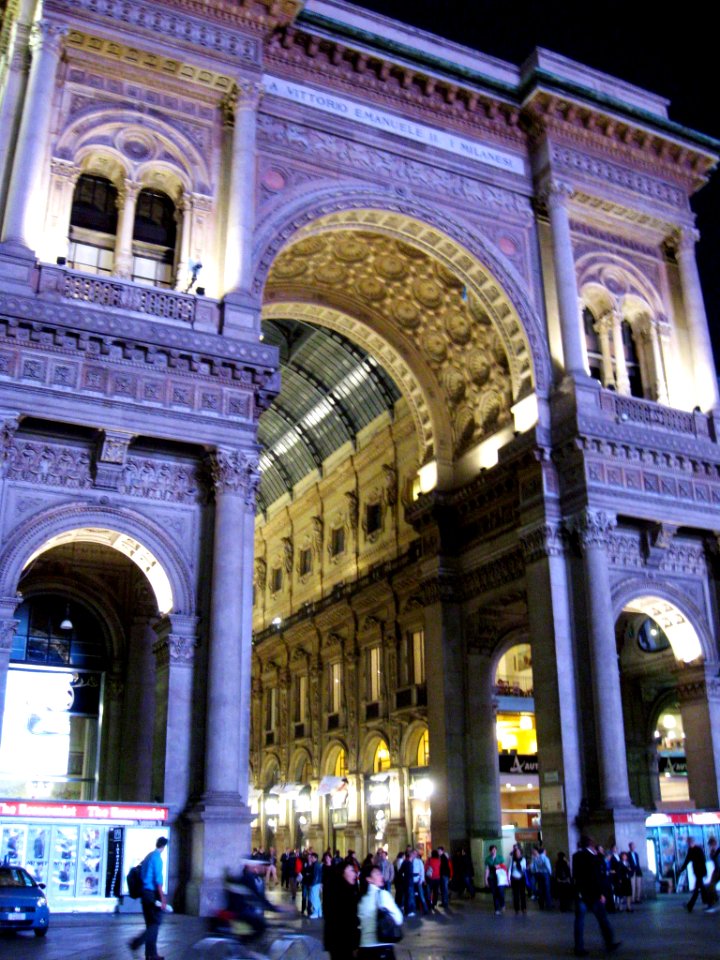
658, 930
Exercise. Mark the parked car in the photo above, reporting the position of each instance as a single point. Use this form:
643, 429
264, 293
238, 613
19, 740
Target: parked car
23, 904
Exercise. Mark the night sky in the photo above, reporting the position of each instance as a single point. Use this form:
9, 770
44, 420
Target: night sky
672, 51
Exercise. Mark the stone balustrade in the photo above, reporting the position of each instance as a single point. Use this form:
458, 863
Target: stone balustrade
113, 293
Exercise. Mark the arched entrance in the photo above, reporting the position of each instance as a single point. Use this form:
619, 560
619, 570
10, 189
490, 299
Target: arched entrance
99, 590
667, 710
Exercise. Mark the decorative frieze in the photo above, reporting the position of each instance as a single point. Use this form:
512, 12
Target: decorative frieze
160, 480
326, 149
48, 464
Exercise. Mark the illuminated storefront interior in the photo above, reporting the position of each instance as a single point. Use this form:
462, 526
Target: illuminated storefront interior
517, 741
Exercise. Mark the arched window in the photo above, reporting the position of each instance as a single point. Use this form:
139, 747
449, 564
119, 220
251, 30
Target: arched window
381, 760
154, 237
423, 752
93, 225
341, 767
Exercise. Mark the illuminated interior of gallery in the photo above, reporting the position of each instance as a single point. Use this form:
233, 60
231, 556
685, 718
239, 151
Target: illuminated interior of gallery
360, 462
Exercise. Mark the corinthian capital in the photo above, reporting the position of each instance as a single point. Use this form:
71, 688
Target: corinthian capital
594, 528
543, 540
684, 239
47, 36
235, 471
555, 193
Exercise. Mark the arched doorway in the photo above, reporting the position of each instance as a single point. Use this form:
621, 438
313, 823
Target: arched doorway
665, 706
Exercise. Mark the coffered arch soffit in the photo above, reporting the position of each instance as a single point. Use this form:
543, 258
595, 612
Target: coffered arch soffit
458, 248
114, 143
427, 312
606, 280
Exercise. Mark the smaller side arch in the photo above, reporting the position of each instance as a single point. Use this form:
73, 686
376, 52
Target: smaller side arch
411, 742
30, 535
642, 591
330, 755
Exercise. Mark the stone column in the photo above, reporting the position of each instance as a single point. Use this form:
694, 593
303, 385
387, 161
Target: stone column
594, 529
622, 381
445, 668
659, 385
483, 788
183, 218
603, 327
175, 654
8, 626
557, 195
19, 228
136, 767
241, 198
557, 712
126, 204
16, 76
63, 177
699, 695
222, 818
704, 375
111, 745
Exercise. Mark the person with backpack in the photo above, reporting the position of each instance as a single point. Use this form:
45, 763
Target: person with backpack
153, 901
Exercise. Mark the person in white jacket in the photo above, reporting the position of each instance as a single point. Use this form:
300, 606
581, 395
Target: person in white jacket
376, 897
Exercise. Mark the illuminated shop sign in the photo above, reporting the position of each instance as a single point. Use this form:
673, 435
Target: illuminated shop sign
114, 812
518, 763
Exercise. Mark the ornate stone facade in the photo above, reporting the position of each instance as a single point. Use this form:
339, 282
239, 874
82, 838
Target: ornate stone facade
518, 263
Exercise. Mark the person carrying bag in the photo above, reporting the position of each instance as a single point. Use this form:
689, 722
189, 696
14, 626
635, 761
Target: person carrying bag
380, 920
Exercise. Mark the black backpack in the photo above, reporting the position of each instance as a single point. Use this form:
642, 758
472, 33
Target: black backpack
135, 883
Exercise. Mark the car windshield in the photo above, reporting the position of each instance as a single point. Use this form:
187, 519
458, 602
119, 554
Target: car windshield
14, 877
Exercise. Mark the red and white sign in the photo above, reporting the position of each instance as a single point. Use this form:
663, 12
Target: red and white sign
109, 812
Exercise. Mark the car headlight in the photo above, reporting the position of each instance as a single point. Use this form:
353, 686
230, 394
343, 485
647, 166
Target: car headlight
42, 902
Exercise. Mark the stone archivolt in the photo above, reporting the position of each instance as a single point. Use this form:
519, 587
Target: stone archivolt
419, 302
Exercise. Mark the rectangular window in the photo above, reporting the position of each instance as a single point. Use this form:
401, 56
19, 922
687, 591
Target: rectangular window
305, 566
412, 658
373, 665
300, 698
335, 687
373, 518
337, 541
276, 575
90, 258
270, 709
418, 656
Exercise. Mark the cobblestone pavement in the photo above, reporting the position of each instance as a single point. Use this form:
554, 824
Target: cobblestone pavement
658, 930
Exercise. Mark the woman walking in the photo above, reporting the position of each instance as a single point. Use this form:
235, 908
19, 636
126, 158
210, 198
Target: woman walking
517, 879
376, 898
340, 894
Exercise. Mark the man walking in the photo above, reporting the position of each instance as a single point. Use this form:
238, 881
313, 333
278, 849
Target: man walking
588, 879
695, 856
153, 901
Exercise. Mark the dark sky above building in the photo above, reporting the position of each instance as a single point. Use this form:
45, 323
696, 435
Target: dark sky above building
672, 51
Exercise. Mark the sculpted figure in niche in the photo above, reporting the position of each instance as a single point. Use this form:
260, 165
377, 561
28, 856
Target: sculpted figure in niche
317, 536
287, 554
390, 484
260, 573
352, 509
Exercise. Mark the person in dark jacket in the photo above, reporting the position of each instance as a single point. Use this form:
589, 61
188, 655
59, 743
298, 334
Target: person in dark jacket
341, 936
588, 877
563, 882
696, 856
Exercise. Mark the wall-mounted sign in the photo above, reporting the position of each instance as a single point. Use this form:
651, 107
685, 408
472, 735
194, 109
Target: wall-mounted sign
370, 116
115, 812
518, 763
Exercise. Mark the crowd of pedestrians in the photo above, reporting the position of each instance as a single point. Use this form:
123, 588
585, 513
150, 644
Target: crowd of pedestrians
349, 894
